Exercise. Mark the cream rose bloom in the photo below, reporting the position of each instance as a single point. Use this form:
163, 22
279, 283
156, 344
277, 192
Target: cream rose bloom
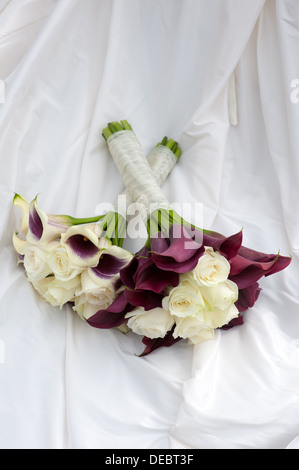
185, 299
195, 329
222, 317
36, 262
55, 292
60, 263
220, 296
212, 268
95, 294
153, 323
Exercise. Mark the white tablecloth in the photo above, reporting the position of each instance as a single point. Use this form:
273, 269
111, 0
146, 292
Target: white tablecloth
220, 77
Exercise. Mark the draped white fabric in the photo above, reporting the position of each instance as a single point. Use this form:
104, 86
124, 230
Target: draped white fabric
220, 76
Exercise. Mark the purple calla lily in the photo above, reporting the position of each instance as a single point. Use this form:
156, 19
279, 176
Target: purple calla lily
112, 260
43, 228
180, 252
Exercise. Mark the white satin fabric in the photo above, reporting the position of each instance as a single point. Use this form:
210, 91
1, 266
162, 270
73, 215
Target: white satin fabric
215, 75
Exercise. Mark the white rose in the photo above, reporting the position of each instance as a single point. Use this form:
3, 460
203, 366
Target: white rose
96, 293
185, 299
60, 262
55, 292
211, 269
220, 318
195, 329
84, 309
153, 323
35, 262
220, 296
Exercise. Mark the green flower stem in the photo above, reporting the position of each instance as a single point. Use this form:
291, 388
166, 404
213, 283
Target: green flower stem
114, 226
88, 220
161, 220
123, 125
114, 127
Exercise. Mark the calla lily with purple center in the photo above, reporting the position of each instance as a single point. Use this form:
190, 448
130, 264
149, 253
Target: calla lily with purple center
37, 226
44, 228
83, 245
112, 260
62, 247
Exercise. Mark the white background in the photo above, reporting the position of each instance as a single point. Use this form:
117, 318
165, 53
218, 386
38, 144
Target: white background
169, 67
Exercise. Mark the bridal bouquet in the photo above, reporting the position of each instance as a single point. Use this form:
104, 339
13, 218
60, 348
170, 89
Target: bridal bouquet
78, 261
186, 282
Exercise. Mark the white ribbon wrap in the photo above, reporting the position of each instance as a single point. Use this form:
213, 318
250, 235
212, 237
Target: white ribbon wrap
142, 183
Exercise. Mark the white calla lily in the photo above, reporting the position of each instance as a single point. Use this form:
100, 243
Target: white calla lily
19, 246
23, 205
44, 228
82, 245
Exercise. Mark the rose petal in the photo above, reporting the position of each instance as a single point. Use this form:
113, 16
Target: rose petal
113, 316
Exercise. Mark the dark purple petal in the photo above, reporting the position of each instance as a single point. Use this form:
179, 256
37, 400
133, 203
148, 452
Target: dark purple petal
281, 263
150, 277
128, 274
108, 266
182, 246
144, 298
234, 322
181, 250
245, 272
113, 316
152, 344
82, 246
248, 297
169, 264
159, 243
226, 246
35, 224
